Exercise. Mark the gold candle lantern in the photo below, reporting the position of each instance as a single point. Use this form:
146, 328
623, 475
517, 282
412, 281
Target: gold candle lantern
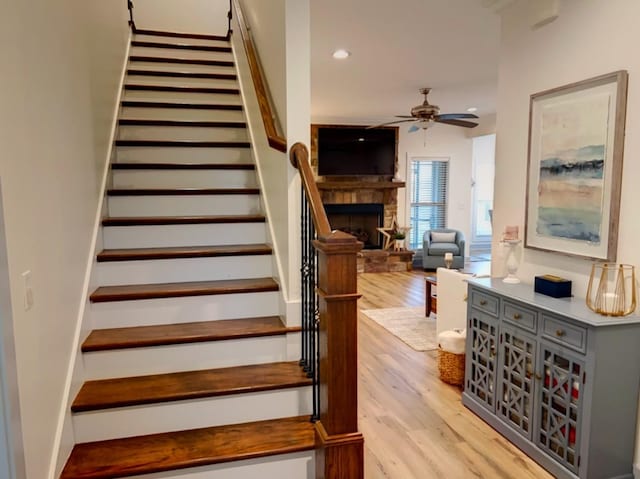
612, 289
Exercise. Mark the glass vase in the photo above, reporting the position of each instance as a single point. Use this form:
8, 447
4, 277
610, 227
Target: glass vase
612, 289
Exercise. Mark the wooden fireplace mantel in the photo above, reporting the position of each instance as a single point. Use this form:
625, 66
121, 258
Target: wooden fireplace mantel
358, 185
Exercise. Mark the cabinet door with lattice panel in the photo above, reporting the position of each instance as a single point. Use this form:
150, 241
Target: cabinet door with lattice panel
482, 342
516, 379
559, 423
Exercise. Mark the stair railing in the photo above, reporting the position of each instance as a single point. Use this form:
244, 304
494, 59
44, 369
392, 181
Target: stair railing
229, 18
275, 139
132, 22
329, 330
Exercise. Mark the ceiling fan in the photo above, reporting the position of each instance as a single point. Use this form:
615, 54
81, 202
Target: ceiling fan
425, 115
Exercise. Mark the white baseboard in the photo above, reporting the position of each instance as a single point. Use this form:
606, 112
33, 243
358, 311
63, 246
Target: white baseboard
292, 310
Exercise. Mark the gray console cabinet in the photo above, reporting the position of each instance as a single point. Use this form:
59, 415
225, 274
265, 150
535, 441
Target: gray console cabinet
556, 379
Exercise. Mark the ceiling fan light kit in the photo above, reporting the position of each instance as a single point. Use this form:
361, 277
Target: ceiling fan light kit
426, 114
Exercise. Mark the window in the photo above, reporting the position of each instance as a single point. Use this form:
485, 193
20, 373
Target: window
484, 148
428, 210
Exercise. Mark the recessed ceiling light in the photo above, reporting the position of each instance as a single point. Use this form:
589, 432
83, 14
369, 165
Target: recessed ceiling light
341, 54
472, 109
360, 139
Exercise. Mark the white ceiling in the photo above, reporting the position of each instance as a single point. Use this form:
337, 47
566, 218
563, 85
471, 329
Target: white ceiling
397, 47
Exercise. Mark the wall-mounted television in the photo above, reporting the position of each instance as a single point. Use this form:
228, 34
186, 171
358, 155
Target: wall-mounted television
355, 151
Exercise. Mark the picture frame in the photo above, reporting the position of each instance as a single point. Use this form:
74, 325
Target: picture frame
574, 167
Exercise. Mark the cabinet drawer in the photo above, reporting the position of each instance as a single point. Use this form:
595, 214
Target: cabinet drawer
520, 316
484, 302
561, 332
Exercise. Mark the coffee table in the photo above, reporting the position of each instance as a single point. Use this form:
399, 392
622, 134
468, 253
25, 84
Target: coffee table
431, 296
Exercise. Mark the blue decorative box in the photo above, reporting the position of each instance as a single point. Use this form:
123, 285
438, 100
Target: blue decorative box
551, 285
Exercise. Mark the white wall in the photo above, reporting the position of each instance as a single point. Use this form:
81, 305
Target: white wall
442, 141
279, 180
63, 62
189, 16
590, 38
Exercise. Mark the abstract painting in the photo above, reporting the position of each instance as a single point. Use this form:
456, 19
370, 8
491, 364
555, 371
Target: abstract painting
575, 165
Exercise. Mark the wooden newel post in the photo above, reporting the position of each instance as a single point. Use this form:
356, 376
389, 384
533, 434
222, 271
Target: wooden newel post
339, 451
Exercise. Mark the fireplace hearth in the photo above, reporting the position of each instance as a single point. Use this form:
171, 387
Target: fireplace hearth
358, 219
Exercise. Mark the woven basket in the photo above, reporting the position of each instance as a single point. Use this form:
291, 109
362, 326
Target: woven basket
451, 367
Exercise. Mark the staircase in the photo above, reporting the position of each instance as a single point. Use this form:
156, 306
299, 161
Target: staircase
191, 372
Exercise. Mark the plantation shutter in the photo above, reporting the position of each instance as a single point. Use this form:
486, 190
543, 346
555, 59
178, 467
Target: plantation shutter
429, 181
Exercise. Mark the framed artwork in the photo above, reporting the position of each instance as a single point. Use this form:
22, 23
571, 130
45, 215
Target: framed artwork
574, 170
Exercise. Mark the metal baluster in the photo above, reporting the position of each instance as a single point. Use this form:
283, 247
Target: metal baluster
132, 23
229, 17
310, 316
303, 229
316, 334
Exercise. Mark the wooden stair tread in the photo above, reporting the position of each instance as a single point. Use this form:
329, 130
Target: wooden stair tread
181, 89
181, 191
180, 46
162, 33
136, 254
182, 61
182, 123
172, 74
180, 220
131, 292
162, 335
185, 143
182, 166
185, 105
158, 388
182, 449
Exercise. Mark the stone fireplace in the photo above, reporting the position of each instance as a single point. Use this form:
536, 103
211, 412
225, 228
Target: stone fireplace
360, 204
358, 219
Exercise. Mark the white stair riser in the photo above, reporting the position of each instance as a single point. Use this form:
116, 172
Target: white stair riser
155, 154
191, 414
190, 205
183, 235
137, 132
175, 52
187, 269
299, 465
187, 41
184, 178
174, 81
121, 314
144, 113
191, 356
181, 67
189, 97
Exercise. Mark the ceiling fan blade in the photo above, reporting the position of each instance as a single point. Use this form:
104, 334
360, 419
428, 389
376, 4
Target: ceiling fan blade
455, 116
466, 124
388, 123
404, 116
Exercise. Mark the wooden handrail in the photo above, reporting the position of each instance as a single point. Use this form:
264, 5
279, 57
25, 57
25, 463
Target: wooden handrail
275, 140
299, 157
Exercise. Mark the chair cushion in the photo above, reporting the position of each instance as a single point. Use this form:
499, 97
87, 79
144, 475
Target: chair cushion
439, 249
442, 237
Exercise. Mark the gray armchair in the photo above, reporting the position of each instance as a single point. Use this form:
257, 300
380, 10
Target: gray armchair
437, 242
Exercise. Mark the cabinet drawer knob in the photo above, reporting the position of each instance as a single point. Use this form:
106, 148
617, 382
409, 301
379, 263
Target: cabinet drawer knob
517, 316
560, 332
483, 302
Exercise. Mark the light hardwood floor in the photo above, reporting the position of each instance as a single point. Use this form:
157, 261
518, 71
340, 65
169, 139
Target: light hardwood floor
414, 425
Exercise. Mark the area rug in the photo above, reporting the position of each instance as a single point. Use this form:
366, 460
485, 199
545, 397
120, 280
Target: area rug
408, 324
